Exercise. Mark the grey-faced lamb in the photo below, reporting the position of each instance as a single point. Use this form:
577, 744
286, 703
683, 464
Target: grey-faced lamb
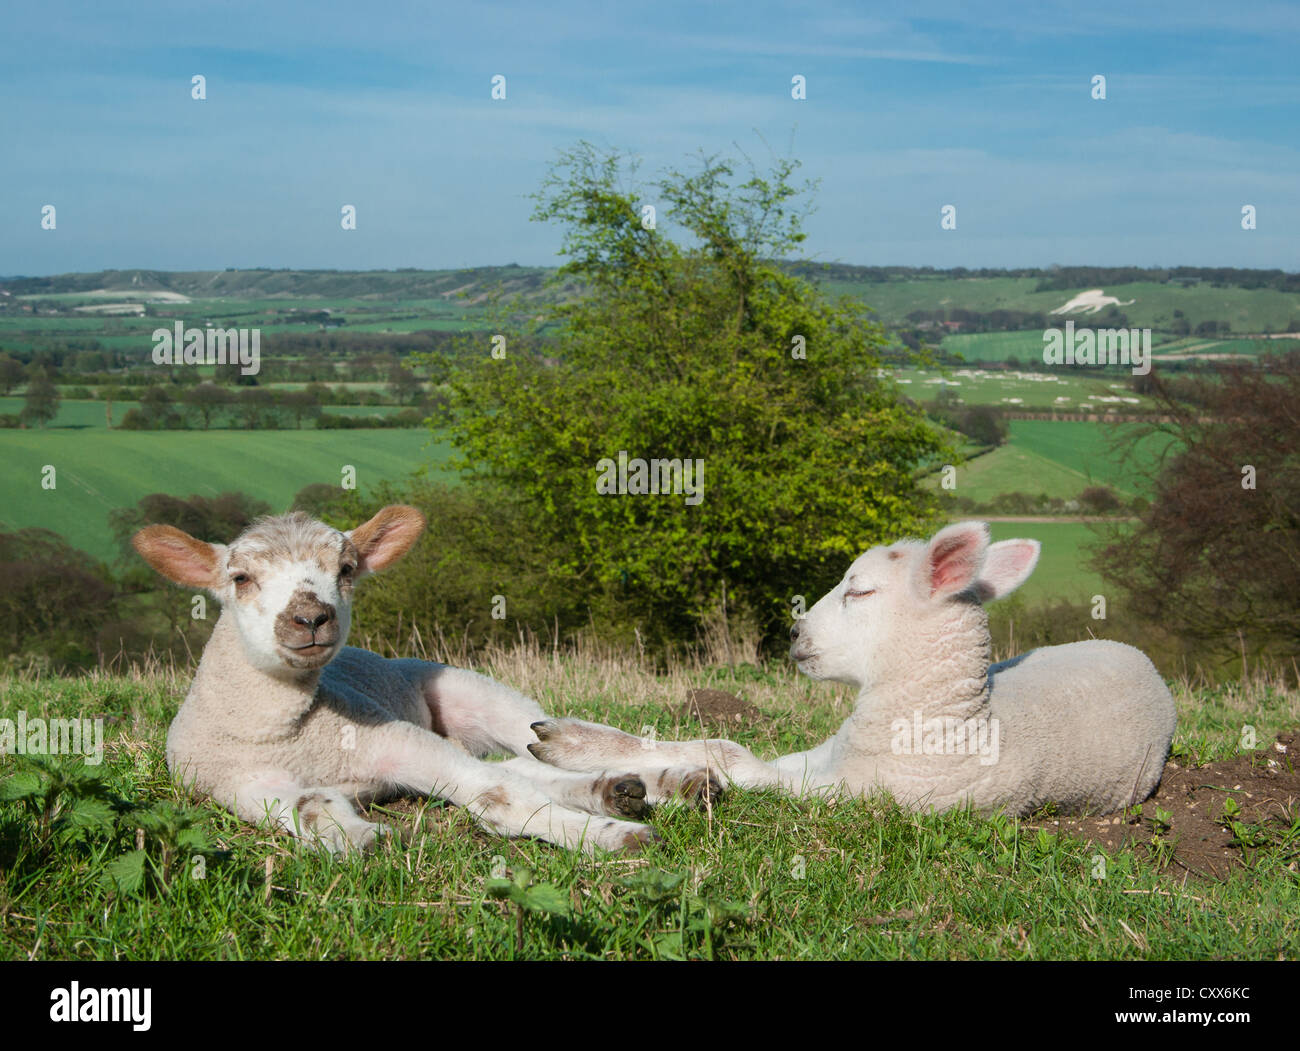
1085, 726
284, 722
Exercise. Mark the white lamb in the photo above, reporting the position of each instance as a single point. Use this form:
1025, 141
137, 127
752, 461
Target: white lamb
283, 721
1085, 726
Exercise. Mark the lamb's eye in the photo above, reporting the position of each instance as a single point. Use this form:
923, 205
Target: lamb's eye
859, 594
241, 578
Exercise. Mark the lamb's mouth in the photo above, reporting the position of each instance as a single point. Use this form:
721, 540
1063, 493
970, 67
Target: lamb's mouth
800, 658
310, 649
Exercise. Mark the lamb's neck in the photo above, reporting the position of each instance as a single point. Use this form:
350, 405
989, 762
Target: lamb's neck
261, 705
940, 671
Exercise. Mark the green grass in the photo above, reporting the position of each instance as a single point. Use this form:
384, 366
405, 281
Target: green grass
1060, 458
1095, 452
98, 470
759, 877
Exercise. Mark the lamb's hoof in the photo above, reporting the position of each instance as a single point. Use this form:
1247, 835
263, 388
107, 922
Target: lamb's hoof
545, 729
338, 842
638, 839
548, 750
701, 788
624, 796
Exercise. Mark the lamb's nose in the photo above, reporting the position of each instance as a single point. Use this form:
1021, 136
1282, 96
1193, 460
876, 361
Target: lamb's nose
325, 615
794, 631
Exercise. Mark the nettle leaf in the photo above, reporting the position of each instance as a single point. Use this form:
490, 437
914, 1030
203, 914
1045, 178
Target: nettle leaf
90, 813
82, 773
22, 785
669, 945
127, 872
546, 897
655, 884
193, 839
504, 889
726, 911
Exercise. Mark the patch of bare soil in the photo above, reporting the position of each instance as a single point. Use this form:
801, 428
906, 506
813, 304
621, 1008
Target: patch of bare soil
1263, 786
717, 708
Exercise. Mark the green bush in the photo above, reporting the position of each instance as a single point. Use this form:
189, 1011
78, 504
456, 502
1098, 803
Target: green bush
698, 351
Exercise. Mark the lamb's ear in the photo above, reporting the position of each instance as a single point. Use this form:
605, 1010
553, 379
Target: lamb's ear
1006, 566
951, 561
179, 557
387, 536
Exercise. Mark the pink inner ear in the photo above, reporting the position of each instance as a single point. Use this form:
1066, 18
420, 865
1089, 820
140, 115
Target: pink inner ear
953, 564
178, 556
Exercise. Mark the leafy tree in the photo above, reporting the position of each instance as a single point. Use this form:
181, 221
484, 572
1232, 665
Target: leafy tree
156, 408
42, 403
317, 498
256, 408
320, 393
207, 400
216, 519
110, 393
54, 598
1099, 500
983, 424
1215, 557
403, 385
699, 349
301, 404
11, 373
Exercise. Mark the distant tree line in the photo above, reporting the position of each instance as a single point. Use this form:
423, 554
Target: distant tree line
1069, 278
207, 405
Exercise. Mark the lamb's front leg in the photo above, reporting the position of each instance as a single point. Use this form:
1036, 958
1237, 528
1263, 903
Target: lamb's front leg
601, 793
323, 815
487, 716
403, 754
573, 744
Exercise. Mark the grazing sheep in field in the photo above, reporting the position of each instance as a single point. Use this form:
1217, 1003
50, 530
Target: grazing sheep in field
1085, 726
284, 722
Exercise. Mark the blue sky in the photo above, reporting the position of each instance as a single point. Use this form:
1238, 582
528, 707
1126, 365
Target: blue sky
386, 106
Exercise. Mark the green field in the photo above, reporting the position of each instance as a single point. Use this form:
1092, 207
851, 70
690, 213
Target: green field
1041, 389
79, 413
997, 346
1250, 347
99, 470
1059, 458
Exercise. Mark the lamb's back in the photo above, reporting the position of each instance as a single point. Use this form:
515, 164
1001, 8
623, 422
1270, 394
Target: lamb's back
1085, 725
